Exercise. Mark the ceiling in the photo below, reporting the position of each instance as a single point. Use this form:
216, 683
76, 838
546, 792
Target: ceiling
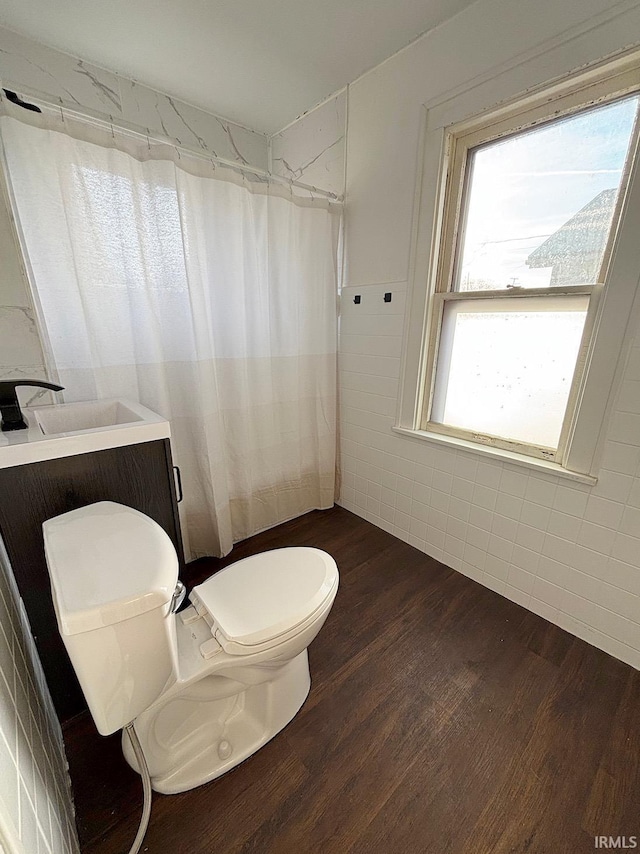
258, 62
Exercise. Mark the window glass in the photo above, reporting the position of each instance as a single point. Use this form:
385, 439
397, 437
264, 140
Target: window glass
540, 203
506, 365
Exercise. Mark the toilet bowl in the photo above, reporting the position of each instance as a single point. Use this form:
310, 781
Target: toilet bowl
207, 686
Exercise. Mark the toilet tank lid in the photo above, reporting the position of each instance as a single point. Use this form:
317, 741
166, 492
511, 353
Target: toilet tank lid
107, 563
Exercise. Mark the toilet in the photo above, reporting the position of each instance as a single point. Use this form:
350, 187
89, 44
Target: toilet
207, 686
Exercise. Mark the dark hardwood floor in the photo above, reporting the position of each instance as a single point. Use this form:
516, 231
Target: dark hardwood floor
442, 718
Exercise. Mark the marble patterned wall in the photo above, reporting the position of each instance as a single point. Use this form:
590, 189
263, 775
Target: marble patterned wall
312, 149
21, 354
35, 70
32, 68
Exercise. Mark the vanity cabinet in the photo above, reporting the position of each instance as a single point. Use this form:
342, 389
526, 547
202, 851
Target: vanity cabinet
139, 475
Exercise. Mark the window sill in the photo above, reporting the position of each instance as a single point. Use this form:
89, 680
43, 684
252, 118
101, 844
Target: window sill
541, 466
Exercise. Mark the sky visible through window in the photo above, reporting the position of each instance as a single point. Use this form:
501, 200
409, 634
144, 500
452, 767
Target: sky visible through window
524, 189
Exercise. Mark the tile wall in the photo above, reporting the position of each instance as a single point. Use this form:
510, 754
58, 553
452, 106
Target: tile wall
566, 551
36, 810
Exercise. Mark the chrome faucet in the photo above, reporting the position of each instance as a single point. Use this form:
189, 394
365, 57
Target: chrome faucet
10, 412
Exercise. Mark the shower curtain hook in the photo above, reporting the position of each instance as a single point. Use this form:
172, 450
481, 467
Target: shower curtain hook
61, 114
111, 126
148, 140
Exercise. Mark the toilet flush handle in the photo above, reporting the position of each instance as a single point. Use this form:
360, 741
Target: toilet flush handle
178, 597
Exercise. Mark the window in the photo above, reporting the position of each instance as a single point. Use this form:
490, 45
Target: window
531, 206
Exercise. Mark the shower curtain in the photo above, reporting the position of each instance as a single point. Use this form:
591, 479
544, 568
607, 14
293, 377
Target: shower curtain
203, 295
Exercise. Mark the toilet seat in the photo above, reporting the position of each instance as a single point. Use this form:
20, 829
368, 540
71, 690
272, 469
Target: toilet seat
263, 600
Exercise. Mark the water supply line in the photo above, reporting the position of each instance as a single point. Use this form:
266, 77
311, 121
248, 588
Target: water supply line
146, 787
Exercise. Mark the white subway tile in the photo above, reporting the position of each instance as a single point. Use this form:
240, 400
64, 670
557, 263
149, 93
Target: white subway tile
474, 556
540, 491
457, 528
603, 511
624, 427
462, 488
496, 567
596, 537
513, 483
570, 501
563, 525
439, 500
374, 490
403, 504
465, 466
489, 474
422, 493
620, 457
530, 538
420, 511
552, 571
373, 505
404, 485
634, 493
559, 549
504, 527
442, 480
525, 559
545, 591
484, 496
521, 579
626, 548
454, 546
459, 509
477, 537
509, 505
616, 626
630, 523
535, 515
480, 517
500, 547
613, 485
623, 575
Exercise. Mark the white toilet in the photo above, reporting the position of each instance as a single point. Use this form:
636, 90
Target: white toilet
207, 686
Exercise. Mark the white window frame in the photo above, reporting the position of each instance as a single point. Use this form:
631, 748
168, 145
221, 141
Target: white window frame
441, 186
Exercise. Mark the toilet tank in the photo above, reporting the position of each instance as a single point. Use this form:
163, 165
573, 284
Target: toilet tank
113, 572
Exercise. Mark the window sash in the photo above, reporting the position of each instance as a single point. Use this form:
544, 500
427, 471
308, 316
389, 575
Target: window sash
455, 177
593, 292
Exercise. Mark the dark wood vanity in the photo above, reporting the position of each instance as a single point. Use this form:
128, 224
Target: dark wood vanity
139, 475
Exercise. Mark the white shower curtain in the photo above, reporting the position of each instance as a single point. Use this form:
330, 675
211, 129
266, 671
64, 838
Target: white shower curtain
207, 298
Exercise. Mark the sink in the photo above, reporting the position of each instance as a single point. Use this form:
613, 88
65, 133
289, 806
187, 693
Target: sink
67, 429
87, 415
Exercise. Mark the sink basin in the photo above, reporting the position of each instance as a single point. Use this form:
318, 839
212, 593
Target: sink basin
67, 429
86, 415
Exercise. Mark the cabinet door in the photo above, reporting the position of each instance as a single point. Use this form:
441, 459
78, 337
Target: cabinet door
140, 476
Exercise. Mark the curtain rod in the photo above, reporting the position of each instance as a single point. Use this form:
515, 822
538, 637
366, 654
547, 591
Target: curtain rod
145, 135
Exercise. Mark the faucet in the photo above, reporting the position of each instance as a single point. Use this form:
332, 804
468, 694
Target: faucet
11, 417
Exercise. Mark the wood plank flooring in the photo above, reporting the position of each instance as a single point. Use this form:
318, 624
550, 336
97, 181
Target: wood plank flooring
442, 718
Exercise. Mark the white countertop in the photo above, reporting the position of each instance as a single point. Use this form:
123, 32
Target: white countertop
21, 447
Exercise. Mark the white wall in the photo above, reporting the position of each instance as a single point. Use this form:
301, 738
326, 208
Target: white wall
36, 810
568, 552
